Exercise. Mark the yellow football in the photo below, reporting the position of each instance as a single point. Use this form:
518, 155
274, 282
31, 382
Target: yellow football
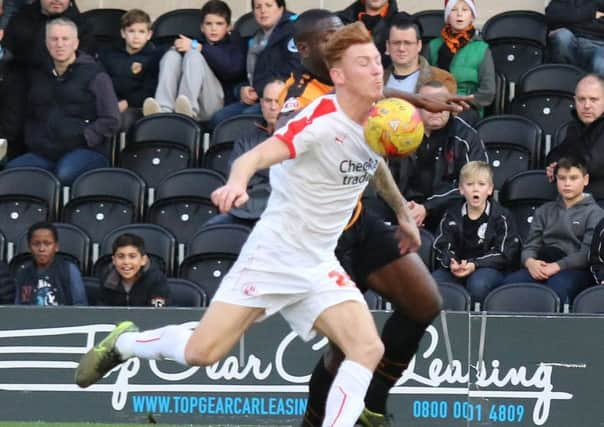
394, 128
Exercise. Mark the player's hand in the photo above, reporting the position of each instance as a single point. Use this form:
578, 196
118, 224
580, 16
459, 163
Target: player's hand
452, 103
549, 171
1, 34
248, 95
409, 239
228, 196
418, 213
182, 44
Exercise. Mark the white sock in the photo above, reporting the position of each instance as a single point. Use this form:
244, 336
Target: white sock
168, 342
346, 398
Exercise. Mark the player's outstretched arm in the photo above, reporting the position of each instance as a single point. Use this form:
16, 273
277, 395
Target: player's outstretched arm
264, 155
435, 104
383, 181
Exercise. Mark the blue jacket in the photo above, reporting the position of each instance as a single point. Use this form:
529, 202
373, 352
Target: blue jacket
227, 59
134, 76
280, 56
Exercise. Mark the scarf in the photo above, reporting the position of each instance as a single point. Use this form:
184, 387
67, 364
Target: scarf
453, 42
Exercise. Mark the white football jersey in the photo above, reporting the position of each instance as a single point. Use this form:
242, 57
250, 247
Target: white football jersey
314, 193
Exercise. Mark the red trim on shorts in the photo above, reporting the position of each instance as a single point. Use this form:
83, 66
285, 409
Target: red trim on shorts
326, 106
341, 406
149, 340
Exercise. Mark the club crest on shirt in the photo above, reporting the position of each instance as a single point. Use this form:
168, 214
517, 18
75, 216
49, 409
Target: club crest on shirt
158, 302
482, 231
136, 67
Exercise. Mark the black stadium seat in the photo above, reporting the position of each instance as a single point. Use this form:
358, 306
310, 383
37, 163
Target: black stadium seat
104, 199
169, 25
27, 195
105, 26
184, 293
522, 298
455, 297
524, 192
513, 144
182, 201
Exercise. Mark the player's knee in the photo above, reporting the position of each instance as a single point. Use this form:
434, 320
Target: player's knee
369, 352
200, 355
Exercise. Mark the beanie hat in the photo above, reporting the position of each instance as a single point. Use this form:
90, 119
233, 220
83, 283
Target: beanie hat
450, 4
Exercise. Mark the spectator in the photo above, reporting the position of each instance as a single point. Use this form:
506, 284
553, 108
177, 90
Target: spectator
132, 280
556, 249
133, 68
195, 78
272, 54
10, 8
49, 279
11, 105
24, 36
476, 241
409, 70
460, 50
596, 254
376, 15
585, 134
72, 109
577, 33
248, 214
429, 177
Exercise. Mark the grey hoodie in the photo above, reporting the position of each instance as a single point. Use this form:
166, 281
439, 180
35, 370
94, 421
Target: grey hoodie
569, 230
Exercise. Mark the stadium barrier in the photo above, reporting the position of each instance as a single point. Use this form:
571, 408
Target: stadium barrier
472, 369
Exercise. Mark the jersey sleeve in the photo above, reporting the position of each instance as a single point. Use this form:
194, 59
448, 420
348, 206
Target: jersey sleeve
301, 132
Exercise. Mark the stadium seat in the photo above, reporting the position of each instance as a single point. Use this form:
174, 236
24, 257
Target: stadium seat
105, 26
27, 195
524, 192
104, 199
160, 246
426, 250
513, 144
522, 298
161, 144
2, 247
374, 301
558, 137
517, 40
431, 22
212, 252
93, 289
74, 244
545, 94
184, 293
246, 25
590, 300
169, 25
223, 137
499, 104
455, 297
182, 201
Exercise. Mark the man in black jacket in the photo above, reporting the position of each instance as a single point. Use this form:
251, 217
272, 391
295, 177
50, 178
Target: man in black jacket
429, 177
376, 15
577, 33
71, 109
585, 134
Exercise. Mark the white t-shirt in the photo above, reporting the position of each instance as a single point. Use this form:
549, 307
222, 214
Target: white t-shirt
314, 193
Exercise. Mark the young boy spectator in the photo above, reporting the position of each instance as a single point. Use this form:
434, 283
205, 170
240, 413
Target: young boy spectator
556, 248
476, 241
49, 279
133, 68
133, 280
460, 51
197, 78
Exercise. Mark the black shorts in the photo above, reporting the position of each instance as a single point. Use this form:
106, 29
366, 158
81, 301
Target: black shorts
367, 246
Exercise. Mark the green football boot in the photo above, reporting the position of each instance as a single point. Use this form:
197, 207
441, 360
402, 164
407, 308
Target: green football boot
102, 358
373, 419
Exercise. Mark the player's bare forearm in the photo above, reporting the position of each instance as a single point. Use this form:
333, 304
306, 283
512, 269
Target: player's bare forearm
262, 156
453, 103
386, 187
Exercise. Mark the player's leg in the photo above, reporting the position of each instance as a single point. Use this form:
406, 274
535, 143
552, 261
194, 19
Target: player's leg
220, 327
351, 327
